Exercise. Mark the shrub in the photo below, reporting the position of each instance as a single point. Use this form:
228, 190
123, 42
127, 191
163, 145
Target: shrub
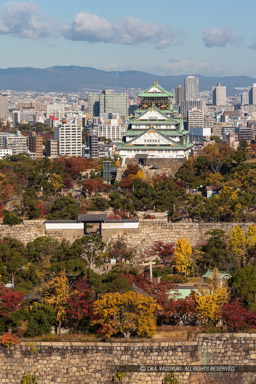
149, 217
170, 379
10, 218
9, 339
119, 375
237, 317
176, 279
28, 379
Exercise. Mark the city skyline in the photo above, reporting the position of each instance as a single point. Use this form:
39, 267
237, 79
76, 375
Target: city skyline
167, 38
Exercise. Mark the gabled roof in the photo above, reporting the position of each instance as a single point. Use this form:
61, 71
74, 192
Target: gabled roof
172, 142
155, 90
165, 132
154, 108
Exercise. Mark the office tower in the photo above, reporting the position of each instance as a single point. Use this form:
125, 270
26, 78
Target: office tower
94, 143
15, 118
252, 95
108, 102
245, 133
245, 98
94, 104
3, 107
219, 95
69, 136
195, 118
51, 149
186, 106
191, 88
35, 145
111, 129
179, 94
14, 141
56, 110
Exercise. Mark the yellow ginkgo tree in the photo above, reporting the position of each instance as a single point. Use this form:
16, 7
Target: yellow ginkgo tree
209, 301
183, 256
56, 293
242, 244
130, 313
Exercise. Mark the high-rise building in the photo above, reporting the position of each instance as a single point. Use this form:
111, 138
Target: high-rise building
245, 133
93, 143
15, 118
111, 129
219, 95
56, 110
69, 136
179, 94
191, 88
186, 106
3, 107
35, 145
245, 98
15, 141
195, 118
252, 95
51, 149
108, 102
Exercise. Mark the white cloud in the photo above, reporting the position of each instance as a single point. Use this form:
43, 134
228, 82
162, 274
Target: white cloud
23, 19
127, 30
188, 67
219, 37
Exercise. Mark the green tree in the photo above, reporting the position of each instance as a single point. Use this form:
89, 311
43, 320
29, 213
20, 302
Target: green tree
64, 208
92, 249
216, 253
99, 204
244, 283
10, 218
12, 257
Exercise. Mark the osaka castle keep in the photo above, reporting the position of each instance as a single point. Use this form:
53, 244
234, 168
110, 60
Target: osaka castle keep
156, 131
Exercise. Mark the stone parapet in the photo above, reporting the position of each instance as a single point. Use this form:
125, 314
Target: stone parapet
97, 362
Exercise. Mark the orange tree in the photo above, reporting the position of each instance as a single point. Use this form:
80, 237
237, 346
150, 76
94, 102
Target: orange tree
129, 314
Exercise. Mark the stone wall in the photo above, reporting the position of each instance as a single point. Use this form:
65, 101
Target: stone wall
94, 363
153, 230
25, 232
142, 238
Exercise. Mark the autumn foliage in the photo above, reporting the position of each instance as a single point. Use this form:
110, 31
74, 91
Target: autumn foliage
10, 301
9, 339
236, 317
128, 314
80, 303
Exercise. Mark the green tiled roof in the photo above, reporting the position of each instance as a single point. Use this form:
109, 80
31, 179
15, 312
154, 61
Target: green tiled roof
162, 93
155, 130
210, 273
165, 132
148, 147
181, 293
168, 118
160, 122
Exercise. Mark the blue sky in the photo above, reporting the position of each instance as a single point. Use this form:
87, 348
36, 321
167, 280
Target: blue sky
161, 37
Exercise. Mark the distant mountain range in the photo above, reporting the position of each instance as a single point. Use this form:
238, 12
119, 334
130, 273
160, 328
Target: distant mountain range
73, 78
